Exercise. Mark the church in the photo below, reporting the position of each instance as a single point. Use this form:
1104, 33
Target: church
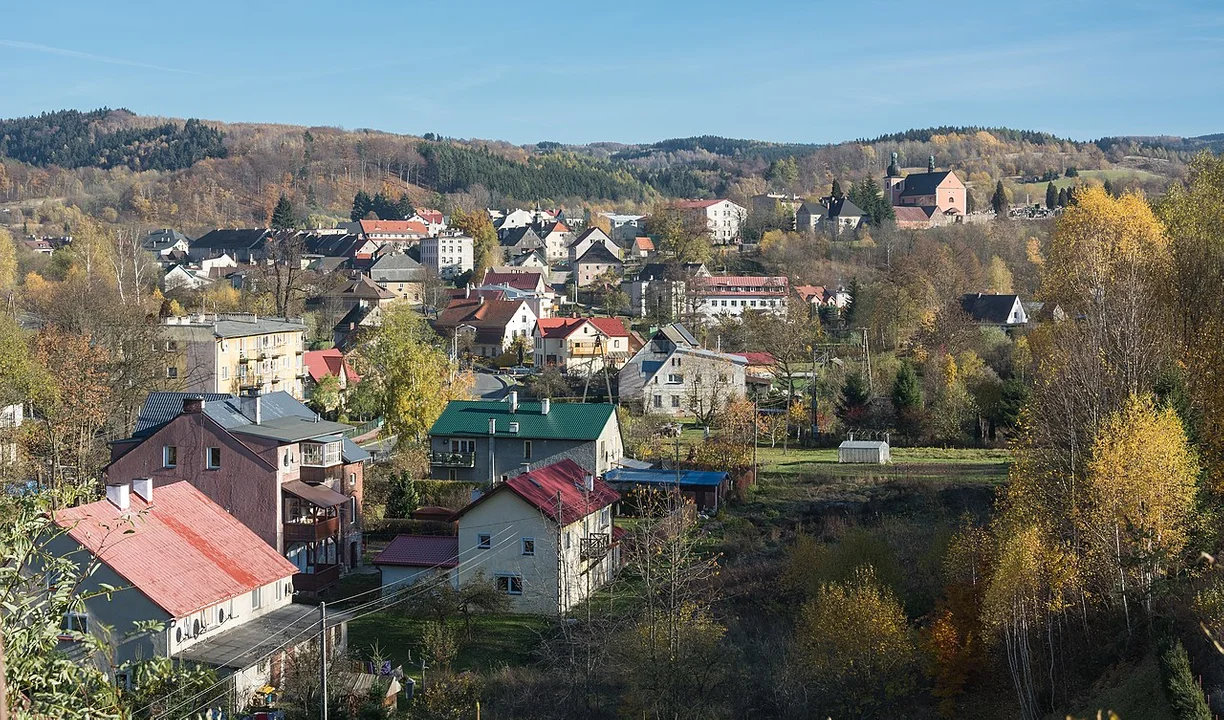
937, 193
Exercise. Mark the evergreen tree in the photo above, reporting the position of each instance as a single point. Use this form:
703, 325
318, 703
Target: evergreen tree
282, 216
850, 312
403, 497
998, 201
1072, 172
852, 406
1062, 197
970, 201
362, 205
837, 190
1109, 188
1051, 196
907, 400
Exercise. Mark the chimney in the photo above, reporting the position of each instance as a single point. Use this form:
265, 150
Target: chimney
193, 404
513, 400
144, 488
588, 482
119, 495
492, 426
545, 406
251, 405
482, 298
467, 291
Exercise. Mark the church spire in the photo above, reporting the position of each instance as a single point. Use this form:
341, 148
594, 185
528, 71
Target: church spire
931, 164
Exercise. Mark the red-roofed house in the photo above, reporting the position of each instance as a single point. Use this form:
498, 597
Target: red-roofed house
180, 560
734, 294
497, 323
580, 345
544, 537
412, 558
525, 279
722, 217
321, 363
434, 221
400, 234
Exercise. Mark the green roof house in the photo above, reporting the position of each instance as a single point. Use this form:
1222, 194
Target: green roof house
493, 440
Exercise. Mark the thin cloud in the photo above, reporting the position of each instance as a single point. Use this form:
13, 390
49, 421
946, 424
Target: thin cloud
34, 47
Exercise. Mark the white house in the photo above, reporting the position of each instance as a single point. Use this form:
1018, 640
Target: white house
447, 255
580, 344
670, 374
180, 560
722, 217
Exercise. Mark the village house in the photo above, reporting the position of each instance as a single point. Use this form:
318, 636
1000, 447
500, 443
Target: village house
321, 363
989, 309
363, 292
556, 236
624, 228
248, 245
544, 538
722, 217
447, 255
492, 440
339, 243
434, 220
581, 345
390, 235
229, 352
163, 242
661, 288
493, 324
533, 260
177, 559
294, 479
589, 238
594, 263
842, 214
518, 240
734, 294
819, 296
401, 275
672, 375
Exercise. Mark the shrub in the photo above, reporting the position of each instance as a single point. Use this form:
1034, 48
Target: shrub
1184, 694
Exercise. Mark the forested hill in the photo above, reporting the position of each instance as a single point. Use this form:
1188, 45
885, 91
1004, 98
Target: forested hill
101, 138
198, 174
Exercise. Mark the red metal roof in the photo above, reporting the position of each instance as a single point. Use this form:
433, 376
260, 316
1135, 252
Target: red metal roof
421, 551
757, 358
183, 551
541, 487
399, 227
320, 363
611, 327
526, 281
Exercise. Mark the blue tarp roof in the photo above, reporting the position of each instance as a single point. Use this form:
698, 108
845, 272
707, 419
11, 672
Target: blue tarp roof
705, 478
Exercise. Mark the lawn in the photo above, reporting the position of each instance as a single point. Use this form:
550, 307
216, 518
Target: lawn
495, 640
1037, 190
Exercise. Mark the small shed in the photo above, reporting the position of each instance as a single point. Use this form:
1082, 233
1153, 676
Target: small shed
706, 488
875, 452
412, 558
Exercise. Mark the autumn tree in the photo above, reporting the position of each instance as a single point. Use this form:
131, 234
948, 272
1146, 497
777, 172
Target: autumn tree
8, 263
854, 645
408, 368
680, 237
1140, 490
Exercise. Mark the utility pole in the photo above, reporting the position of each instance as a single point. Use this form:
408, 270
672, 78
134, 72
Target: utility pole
867, 360
322, 660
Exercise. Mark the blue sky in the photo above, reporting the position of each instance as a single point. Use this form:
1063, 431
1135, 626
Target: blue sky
626, 70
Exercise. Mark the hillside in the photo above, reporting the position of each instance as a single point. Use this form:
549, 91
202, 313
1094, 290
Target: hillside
195, 174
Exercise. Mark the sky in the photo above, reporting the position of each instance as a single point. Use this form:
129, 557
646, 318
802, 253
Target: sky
627, 70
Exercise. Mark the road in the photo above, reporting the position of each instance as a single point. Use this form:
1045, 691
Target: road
490, 386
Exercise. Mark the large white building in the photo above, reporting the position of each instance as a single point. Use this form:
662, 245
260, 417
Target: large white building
735, 294
448, 255
722, 217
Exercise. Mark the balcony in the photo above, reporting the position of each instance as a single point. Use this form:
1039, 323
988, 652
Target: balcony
594, 547
305, 532
323, 577
453, 459
316, 474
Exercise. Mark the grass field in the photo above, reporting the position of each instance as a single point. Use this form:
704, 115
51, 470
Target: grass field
1132, 690
1037, 190
495, 640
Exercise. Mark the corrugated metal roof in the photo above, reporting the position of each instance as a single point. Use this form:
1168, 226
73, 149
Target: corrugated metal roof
421, 551
701, 478
560, 482
319, 495
183, 551
564, 421
862, 445
244, 645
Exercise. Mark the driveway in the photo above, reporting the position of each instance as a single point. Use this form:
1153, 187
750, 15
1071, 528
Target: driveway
490, 386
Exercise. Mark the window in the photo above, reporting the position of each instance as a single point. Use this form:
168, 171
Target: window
212, 458
658, 401
171, 345
169, 456
510, 584
451, 475
321, 454
529, 546
675, 379
484, 541
171, 372
74, 622
526, 449
256, 598
224, 372
463, 446
675, 401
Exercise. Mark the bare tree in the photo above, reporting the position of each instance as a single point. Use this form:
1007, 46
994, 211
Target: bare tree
282, 269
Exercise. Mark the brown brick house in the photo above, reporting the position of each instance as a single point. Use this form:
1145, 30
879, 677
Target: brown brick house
269, 461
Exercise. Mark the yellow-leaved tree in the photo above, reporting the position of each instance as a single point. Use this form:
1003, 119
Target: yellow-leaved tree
411, 372
1140, 494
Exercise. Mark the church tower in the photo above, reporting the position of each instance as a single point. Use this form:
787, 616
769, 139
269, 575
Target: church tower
894, 183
